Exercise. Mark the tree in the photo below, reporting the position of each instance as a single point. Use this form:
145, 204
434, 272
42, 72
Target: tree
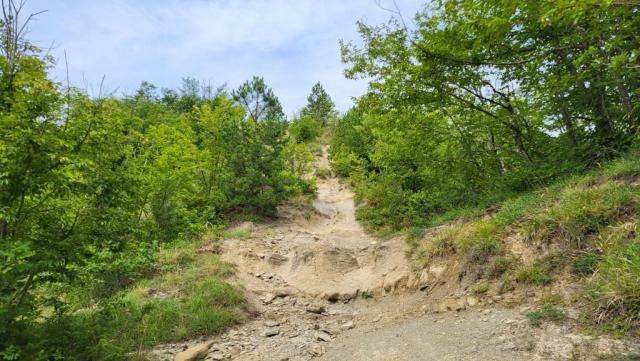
258, 100
483, 98
319, 106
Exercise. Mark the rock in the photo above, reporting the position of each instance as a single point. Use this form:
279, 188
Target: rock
347, 325
395, 281
437, 271
195, 352
217, 356
323, 336
316, 350
524, 309
316, 308
413, 281
268, 298
472, 301
451, 304
271, 323
423, 280
270, 332
283, 292
277, 259
341, 296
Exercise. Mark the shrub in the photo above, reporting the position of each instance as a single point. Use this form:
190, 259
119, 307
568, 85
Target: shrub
304, 129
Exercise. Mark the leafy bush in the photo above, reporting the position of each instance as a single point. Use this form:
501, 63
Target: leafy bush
304, 129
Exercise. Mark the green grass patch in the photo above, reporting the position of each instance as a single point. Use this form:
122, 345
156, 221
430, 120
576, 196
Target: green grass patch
546, 313
323, 173
586, 263
186, 299
480, 240
480, 288
500, 265
541, 271
614, 291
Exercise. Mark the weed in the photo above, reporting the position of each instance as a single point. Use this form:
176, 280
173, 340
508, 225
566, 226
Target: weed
480, 240
540, 272
480, 288
323, 173
499, 265
546, 313
585, 263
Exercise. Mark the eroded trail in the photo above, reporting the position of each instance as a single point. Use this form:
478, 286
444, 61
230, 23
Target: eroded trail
320, 287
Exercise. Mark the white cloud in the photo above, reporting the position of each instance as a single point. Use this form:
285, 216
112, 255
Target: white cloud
291, 43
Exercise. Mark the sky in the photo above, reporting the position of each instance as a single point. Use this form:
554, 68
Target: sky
291, 43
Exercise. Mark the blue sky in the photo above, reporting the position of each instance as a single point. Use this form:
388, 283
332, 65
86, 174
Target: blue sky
291, 43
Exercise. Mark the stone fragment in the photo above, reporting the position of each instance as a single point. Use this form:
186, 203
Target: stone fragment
195, 352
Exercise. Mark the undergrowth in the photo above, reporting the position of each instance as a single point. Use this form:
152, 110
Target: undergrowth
187, 297
586, 225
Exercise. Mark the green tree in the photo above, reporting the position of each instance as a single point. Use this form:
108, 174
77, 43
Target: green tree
258, 100
319, 106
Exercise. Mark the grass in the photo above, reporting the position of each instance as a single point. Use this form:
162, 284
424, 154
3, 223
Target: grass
500, 265
323, 173
480, 288
188, 297
540, 272
586, 263
587, 224
614, 292
546, 313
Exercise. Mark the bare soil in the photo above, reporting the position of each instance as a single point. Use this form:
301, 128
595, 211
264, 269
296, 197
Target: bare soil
319, 287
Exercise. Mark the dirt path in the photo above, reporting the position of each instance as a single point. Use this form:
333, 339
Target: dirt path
323, 289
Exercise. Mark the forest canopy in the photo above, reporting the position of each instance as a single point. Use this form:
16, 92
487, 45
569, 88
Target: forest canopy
476, 100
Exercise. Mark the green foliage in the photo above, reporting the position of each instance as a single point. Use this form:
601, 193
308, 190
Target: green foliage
187, 299
540, 272
320, 107
323, 173
614, 291
586, 263
483, 100
304, 129
91, 189
546, 313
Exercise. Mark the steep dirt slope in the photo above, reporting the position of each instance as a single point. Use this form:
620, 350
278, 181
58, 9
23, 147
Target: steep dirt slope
320, 287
